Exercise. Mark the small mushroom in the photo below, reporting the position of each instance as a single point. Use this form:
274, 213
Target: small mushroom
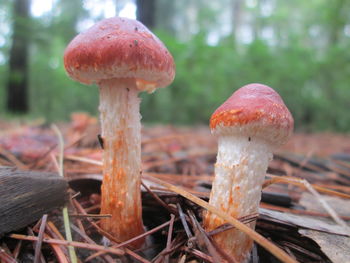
122, 61
249, 126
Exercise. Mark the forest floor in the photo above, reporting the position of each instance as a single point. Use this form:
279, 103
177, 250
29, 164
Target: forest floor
305, 202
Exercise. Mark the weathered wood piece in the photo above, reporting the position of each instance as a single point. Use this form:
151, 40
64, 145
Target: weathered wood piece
27, 195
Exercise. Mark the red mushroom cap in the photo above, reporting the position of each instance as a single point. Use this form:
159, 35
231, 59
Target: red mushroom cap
119, 48
254, 110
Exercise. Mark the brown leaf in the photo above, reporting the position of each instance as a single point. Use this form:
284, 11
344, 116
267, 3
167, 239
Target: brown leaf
336, 247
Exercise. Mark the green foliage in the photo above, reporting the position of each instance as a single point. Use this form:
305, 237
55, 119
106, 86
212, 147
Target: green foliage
314, 88
53, 94
311, 71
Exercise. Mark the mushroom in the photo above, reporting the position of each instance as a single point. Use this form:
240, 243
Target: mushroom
249, 126
123, 58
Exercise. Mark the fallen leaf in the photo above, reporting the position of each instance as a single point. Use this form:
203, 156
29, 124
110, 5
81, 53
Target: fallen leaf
336, 247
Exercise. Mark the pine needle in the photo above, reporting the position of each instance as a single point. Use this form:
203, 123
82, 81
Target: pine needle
276, 251
312, 189
72, 254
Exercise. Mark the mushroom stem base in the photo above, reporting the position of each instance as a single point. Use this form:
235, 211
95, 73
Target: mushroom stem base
121, 133
240, 169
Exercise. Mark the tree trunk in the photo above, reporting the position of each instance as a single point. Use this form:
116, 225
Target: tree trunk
72, 12
145, 12
17, 85
257, 26
337, 21
166, 14
236, 17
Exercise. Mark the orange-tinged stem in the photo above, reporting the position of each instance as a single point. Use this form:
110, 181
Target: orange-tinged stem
276, 251
239, 174
121, 133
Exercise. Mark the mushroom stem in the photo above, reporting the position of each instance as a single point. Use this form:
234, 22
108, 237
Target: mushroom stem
240, 169
121, 133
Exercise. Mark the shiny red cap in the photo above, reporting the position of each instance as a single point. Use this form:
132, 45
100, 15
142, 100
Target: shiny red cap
119, 48
254, 110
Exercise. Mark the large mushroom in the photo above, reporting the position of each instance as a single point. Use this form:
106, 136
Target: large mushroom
122, 57
249, 126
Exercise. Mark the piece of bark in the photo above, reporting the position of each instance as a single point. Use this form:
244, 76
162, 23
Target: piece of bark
339, 205
280, 199
302, 221
336, 247
27, 195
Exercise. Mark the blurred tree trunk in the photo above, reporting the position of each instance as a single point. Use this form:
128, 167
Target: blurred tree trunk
166, 14
337, 17
17, 85
66, 23
236, 17
145, 12
257, 26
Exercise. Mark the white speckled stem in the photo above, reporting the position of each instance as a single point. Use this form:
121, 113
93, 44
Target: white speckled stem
239, 173
121, 133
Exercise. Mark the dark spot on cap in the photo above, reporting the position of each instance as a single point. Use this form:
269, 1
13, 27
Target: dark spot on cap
136, 29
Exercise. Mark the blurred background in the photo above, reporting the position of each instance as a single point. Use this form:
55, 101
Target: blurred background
299, 48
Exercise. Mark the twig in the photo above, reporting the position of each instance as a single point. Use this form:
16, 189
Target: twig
53, 231
276, 251
183, 221
40, 239
203, 239
149, 165
17, 249
91, 215
42, 157
90, 241
106, 234
296, 181
123, 244
299, 212
77, 219
305, 184
136, 256
12, 158
72, 254
326, 206
31, 232
170, 233
199, 254
5, 257
75, 195
100, 230
177, 242
60, 251
83, 159
226, 226
156, 197
153, 230
114, 251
